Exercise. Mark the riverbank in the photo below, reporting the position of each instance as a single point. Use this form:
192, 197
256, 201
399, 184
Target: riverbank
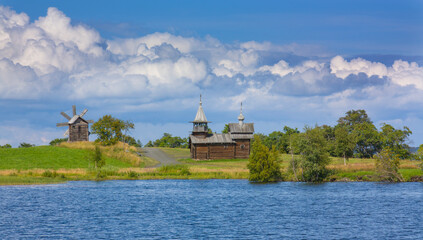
124, 164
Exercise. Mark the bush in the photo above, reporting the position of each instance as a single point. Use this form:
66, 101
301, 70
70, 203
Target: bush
26, 145
263, 163
97, 158
57, 141
6, 146
174, 170
314, 155
132, 174
387, 166
48, 173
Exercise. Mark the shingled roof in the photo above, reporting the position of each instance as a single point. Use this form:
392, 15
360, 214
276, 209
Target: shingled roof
200, 117
241, 128
213, 138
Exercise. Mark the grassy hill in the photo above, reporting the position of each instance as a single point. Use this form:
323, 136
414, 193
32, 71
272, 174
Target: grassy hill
49, 157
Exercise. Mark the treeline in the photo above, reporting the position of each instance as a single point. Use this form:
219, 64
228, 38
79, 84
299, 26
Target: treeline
168, 141
355, 135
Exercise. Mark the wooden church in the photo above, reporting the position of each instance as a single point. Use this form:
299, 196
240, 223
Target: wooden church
234, 144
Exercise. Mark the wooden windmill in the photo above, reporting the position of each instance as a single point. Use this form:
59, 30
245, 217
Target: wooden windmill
77, 126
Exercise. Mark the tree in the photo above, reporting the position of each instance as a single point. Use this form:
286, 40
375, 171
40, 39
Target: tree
368, 140
109, 129
226, 129
292, 136
168, 141
345, 143
419, 155
314, 155
276, 139
395, 140
387, 165
329, 134
263, 163
354, 117
6, 146
97, 158
359, 124
131, 141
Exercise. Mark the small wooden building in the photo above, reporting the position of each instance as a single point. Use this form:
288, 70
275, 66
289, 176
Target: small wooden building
78, 129
234, 144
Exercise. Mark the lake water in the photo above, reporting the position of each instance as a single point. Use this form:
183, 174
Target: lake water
219, 209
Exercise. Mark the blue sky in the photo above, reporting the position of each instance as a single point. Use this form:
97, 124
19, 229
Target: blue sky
290, 62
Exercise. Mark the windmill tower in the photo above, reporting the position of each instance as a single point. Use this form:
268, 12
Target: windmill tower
77, 126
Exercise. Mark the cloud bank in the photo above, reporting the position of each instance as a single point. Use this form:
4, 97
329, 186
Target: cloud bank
52, 58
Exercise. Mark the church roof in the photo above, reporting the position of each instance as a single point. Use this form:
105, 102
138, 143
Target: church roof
200, 117
244, 128
213, 138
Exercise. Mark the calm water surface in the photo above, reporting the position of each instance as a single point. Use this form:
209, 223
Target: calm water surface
220, 209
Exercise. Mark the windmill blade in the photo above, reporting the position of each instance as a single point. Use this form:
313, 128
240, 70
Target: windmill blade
90, 121
65, 124
74, 110
65, 115
83, 112
66, 133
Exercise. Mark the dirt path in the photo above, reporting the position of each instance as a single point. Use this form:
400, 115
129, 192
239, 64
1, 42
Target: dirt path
160, 156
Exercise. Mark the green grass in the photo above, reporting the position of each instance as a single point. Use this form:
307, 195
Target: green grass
407, 174
28, 180
49, 157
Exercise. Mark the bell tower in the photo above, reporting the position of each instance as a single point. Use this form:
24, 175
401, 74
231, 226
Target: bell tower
200, 128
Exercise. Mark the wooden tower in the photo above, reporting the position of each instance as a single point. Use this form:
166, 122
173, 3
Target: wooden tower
77, 126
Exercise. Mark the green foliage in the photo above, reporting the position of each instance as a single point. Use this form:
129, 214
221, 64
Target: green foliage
26, 145
280, 140
367, 137
48, 173
314, 155
354, 117
168, 141
419, 154
174, 170
131, 141
226, 129
57, 141
263, 163
97, 158
387, 166
395, 140
110, 130
345, 142
6, 146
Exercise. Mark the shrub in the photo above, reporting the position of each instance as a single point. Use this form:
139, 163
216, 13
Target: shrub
48, 173
26, 145
263, 163
97, 158
174, 170
387, 166
57, 141
132, 174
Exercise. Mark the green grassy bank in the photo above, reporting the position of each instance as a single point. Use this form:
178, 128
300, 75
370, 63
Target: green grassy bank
72, 162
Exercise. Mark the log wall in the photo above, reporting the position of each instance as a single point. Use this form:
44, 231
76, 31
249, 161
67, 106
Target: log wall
242, 148
78, 131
